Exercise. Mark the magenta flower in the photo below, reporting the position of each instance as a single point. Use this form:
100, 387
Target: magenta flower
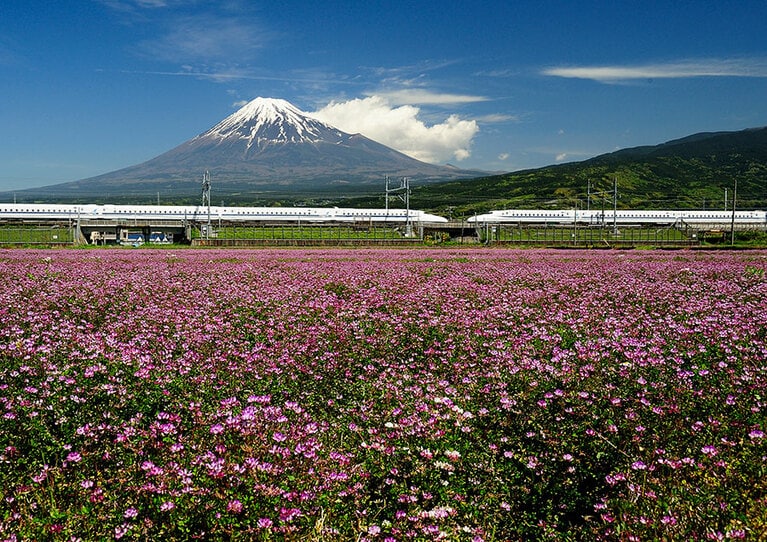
216, 429
167, 506
74, 457
234, 506
289, 514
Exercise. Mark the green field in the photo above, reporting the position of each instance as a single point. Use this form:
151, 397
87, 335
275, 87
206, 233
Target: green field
584, 236
16, 235
290, 232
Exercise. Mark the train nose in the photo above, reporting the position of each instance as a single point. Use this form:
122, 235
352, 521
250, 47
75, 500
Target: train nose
478, 219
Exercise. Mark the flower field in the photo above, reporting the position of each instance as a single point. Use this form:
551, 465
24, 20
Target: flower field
392, 395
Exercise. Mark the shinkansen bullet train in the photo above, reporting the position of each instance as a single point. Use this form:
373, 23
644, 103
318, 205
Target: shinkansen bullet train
22, 211
198, 213
620, 217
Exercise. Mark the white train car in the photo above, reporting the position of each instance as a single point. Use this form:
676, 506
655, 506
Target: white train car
621, 217
32, 212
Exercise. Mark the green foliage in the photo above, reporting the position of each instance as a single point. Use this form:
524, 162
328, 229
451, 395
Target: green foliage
691, 173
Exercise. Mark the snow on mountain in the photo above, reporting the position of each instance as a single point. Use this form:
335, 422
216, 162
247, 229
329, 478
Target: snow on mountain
268, 145
265, 120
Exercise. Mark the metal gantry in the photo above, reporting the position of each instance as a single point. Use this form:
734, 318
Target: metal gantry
403, 193
206, 200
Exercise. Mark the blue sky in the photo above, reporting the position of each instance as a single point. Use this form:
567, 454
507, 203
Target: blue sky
90, 86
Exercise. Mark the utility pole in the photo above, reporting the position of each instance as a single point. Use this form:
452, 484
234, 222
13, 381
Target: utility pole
615, 205
403, 192
725, 198
206, 199
732, 221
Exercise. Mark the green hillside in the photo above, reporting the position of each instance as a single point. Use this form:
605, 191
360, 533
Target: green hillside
687, 173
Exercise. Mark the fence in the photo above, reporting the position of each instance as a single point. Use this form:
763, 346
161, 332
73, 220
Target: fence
321, 234
585, 236
36, 235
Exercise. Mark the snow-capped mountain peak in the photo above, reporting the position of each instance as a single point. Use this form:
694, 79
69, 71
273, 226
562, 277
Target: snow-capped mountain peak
269, 143
271, 120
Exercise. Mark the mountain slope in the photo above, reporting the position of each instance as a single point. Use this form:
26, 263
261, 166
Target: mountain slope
691, 172
267, 146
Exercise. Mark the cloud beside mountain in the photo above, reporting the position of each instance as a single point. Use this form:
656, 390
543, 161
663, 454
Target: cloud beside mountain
400, 128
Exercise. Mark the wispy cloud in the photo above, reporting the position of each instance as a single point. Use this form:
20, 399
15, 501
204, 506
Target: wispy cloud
421, 96
224, 74
195, 33
493, 118
672, 70
133, 6
202, 38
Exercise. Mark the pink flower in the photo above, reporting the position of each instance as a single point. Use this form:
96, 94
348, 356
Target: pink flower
74, 457
234, 506
121, 530
452, 455
289, 514
217, 429
709, 450
167, 506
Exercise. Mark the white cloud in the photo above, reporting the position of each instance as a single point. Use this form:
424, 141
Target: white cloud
401, 129
682, 69
424, 97
202, 38
561, 156
503, 156
497, 118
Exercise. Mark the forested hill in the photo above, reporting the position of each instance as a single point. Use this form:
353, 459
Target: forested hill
692, 172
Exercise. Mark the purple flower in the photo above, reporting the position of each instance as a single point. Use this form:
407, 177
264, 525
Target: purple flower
217, 429
234, 506
289, 514
121, 530
167, 506
709, 450
74, 457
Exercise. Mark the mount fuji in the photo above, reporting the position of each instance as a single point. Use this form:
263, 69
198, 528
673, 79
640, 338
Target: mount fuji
267, 146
